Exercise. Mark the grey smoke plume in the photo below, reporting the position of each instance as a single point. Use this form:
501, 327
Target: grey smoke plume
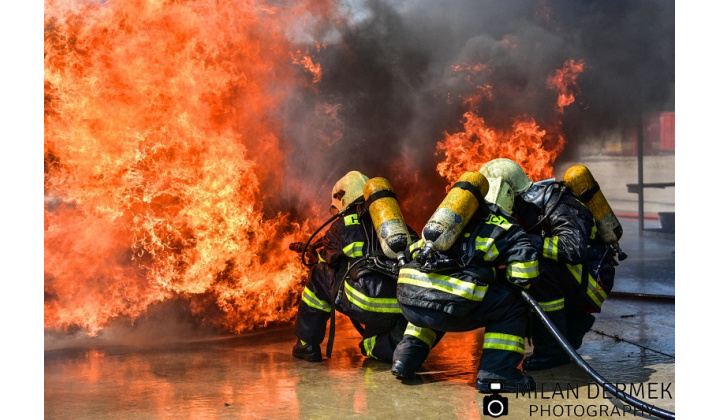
387, 93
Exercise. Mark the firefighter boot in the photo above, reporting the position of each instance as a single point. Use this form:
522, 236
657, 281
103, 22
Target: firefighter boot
408, 356
547, 361
305, 351
547, 353
578, 325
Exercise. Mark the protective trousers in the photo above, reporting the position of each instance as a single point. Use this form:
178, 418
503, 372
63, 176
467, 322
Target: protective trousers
504, 316
560, 296
379, 338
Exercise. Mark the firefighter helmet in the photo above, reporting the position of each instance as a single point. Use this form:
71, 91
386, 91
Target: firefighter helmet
347, 190
501, 194
510, 172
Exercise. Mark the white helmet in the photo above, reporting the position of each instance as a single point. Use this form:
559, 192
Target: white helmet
510, 172
347, 190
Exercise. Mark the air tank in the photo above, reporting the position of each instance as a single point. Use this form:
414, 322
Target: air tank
387, 218
462, 201
582, 183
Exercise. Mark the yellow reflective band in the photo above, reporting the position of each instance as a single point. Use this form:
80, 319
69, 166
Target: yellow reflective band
384, 305
554, 305
593, 232
426, 335
523, 270
594, 291
354, 250
498, 220
416, 245
497, 341
369, 344
351, 219
447, 284
320, 258
550, 248
487, 245
313, 301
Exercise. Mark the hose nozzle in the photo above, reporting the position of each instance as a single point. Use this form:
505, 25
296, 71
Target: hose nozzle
620, 253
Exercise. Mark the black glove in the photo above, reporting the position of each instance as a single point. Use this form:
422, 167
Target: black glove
537, 242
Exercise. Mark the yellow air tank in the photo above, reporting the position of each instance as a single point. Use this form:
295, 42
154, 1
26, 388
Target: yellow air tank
462, 201
582, 183
387, 218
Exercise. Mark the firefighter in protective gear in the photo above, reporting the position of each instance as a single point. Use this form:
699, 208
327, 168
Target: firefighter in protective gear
576, 267
354, 277
473, 284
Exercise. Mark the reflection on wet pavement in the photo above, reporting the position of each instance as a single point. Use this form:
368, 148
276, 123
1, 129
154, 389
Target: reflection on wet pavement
254, 376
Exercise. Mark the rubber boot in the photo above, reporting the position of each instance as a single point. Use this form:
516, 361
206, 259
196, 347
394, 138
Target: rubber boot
409, 355
305, 351
578, 325
547, 352
543, 362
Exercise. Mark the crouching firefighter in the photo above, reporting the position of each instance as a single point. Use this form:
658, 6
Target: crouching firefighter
464, 274
356, 272
577, 261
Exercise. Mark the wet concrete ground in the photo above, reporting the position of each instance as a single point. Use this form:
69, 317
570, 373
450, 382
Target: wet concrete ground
254, 376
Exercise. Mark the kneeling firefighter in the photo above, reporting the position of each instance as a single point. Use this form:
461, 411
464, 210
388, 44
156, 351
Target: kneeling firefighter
577, 262
356, 273
465, 274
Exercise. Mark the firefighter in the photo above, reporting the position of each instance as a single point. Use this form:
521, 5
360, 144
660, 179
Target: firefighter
576, 267
354, 277
471, 284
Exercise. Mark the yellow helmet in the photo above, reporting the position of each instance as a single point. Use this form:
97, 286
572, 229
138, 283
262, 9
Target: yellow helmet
510, 172
347, 190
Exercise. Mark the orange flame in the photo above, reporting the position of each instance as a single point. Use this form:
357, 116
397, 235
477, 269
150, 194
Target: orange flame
526, 143
155, 119
565, 81
535, 148
164, 157
307, 62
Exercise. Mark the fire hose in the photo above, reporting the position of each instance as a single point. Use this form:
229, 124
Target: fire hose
639, 404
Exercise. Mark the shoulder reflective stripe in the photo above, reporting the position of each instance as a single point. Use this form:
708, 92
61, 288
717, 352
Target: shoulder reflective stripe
446, 284
497, 341
426, 335
554, 305
369, 345
487, 245
313, 301
498, 220
351, 219
320, 258
523, 270
385, 305
594, 291
354, 250
550, 248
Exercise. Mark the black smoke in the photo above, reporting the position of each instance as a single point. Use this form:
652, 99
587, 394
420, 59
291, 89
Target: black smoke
387, 93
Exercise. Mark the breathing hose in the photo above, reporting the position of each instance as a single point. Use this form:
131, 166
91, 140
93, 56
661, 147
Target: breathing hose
327, 222
645, 407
